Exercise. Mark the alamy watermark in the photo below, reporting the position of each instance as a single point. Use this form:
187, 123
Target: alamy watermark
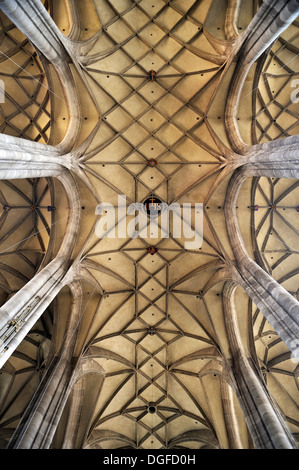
151, 219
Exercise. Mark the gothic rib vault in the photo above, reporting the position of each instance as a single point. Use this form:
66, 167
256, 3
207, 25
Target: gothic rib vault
119, 345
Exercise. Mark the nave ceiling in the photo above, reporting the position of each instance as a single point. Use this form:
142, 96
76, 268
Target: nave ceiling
153, 323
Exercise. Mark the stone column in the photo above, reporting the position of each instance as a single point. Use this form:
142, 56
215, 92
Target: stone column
21, 158
33, 20
263, 417
9, 142
278, 158
229, 414
31, 17
20, 312
279, 307
273, 17
10, 171
270, 21
79, 417
40, 420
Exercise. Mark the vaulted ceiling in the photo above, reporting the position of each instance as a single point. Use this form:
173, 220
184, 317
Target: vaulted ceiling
153, 321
